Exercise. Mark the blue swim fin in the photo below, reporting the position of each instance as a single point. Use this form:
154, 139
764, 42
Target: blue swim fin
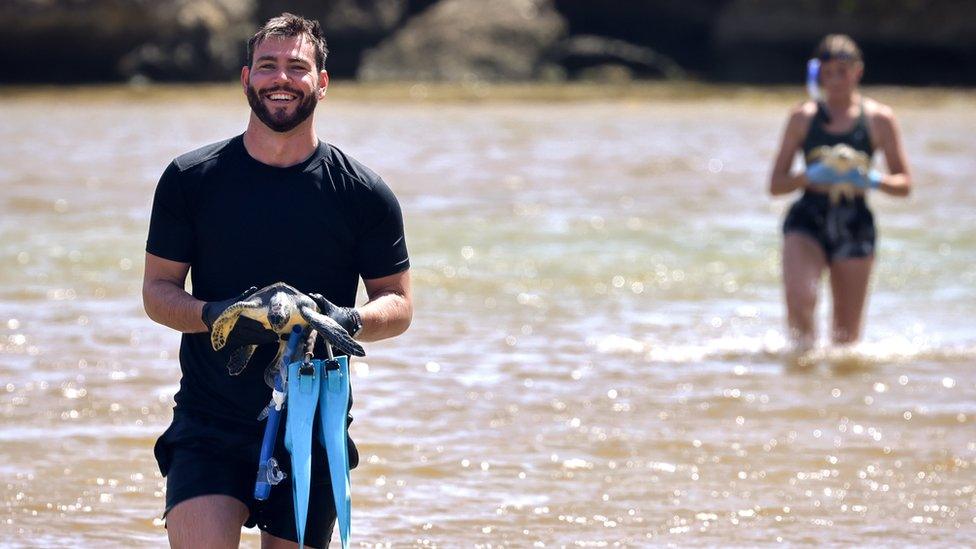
304, 380
333, 406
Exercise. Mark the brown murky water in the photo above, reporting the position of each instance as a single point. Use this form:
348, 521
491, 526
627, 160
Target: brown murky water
597, 356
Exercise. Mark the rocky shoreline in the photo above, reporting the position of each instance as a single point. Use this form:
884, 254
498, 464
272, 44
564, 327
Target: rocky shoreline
760, 41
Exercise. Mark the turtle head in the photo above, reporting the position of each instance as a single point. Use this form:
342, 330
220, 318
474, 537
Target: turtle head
842, 158
280, 310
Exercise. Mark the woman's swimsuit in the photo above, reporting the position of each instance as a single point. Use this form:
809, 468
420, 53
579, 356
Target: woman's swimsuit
845, 229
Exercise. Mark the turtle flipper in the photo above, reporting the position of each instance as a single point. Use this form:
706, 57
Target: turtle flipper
272, 367
238, 359
224, 325
332, 332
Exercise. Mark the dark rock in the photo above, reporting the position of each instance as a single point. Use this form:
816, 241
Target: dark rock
904, 41
416, 6
601, 58
464, 40
198, 41
679, 29
104, 40
350, 26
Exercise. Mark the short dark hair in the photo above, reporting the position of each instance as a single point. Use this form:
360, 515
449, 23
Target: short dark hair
288, 25
838, 46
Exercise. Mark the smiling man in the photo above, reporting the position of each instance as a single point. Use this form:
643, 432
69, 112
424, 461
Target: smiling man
273, 204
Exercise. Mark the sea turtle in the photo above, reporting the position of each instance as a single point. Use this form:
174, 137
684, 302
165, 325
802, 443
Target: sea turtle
842, 158
278, 307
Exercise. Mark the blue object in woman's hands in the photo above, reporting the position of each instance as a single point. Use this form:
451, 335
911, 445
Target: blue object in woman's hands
864, 179
819, 173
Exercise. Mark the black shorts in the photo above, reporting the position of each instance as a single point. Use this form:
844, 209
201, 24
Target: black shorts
200, 456
844, 230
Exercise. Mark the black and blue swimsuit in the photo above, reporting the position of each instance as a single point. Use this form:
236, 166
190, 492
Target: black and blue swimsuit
845, 229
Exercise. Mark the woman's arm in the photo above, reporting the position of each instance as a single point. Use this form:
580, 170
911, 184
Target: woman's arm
781, 181
898, 181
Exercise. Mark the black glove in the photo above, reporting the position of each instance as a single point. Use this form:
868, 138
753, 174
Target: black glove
347, 317
246, 331
213, 309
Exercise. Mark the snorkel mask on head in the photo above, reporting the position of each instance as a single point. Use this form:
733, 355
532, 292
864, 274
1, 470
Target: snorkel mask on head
813, 72
813, 78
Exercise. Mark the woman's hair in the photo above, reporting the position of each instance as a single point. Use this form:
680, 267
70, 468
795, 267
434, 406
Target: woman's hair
838, 46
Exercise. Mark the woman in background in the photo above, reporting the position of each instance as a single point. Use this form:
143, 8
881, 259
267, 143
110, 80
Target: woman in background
831, 227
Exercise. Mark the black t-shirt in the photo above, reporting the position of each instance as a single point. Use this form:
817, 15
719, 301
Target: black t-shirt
318, 226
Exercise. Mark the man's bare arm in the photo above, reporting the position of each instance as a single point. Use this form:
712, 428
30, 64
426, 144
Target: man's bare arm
389, 309
165, 298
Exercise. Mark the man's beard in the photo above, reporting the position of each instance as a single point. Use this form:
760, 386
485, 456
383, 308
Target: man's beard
281, 122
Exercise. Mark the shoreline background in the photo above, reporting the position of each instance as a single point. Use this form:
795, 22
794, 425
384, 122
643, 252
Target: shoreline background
597, 355
351, 91
905, 42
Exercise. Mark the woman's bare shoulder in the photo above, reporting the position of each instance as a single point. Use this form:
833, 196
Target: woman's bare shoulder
878, 112
804, 110
801, 115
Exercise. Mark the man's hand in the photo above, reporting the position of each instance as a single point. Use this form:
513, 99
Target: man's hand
246, 331
347, 317
819, 173
213, 309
